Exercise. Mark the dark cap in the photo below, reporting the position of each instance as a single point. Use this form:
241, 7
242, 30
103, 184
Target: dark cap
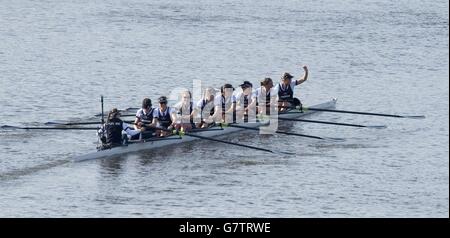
246, 84
162, 99
227, 85
287, 76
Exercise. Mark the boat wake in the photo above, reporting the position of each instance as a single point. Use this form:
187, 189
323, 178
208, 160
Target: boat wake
17, 173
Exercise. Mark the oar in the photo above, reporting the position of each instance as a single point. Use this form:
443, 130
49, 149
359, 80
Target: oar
287, 133
122, 111
361, 113
236, 144
47, 128
331, 123
71, 123
128, 115
76, 123
122, 115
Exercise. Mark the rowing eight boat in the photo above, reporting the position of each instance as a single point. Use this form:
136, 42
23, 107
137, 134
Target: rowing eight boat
172, 140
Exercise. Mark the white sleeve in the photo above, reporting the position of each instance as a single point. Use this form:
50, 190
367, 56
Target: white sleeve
199, 104
138, 113
255, 93
274, 91
238, 96
218, 100
155, 113
276, 88
293, 84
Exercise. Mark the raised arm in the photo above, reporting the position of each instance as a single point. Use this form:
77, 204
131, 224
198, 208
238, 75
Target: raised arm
304, 77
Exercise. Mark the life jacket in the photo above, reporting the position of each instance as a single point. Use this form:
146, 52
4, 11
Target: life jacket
114, 128
145, 117
224, 108
203, 105
190, 112
165, 120
245, 100
267, 102
286, 94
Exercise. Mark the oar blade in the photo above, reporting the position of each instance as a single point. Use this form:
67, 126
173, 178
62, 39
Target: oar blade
283, 152
46, 128
51, 123
333, 139
9, 127
415, 117
377, 127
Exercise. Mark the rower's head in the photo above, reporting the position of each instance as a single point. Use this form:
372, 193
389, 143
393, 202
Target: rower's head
247, 87
210, 93
186, 96
162, 101
114, 113
227, 90
286, 78
267, 83
146, 103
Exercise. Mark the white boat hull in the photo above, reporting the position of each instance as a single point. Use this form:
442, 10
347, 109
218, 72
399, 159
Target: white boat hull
135, 147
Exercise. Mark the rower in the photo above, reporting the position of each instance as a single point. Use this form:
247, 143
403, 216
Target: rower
144, 118
224, 105
186, 112
164, 117
285, 90
206, 107
264, 95
246, 105
115, 132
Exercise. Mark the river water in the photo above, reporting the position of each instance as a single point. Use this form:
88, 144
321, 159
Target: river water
58, 57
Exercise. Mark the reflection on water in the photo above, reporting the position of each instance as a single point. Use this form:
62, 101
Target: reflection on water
112, 166
15, 174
